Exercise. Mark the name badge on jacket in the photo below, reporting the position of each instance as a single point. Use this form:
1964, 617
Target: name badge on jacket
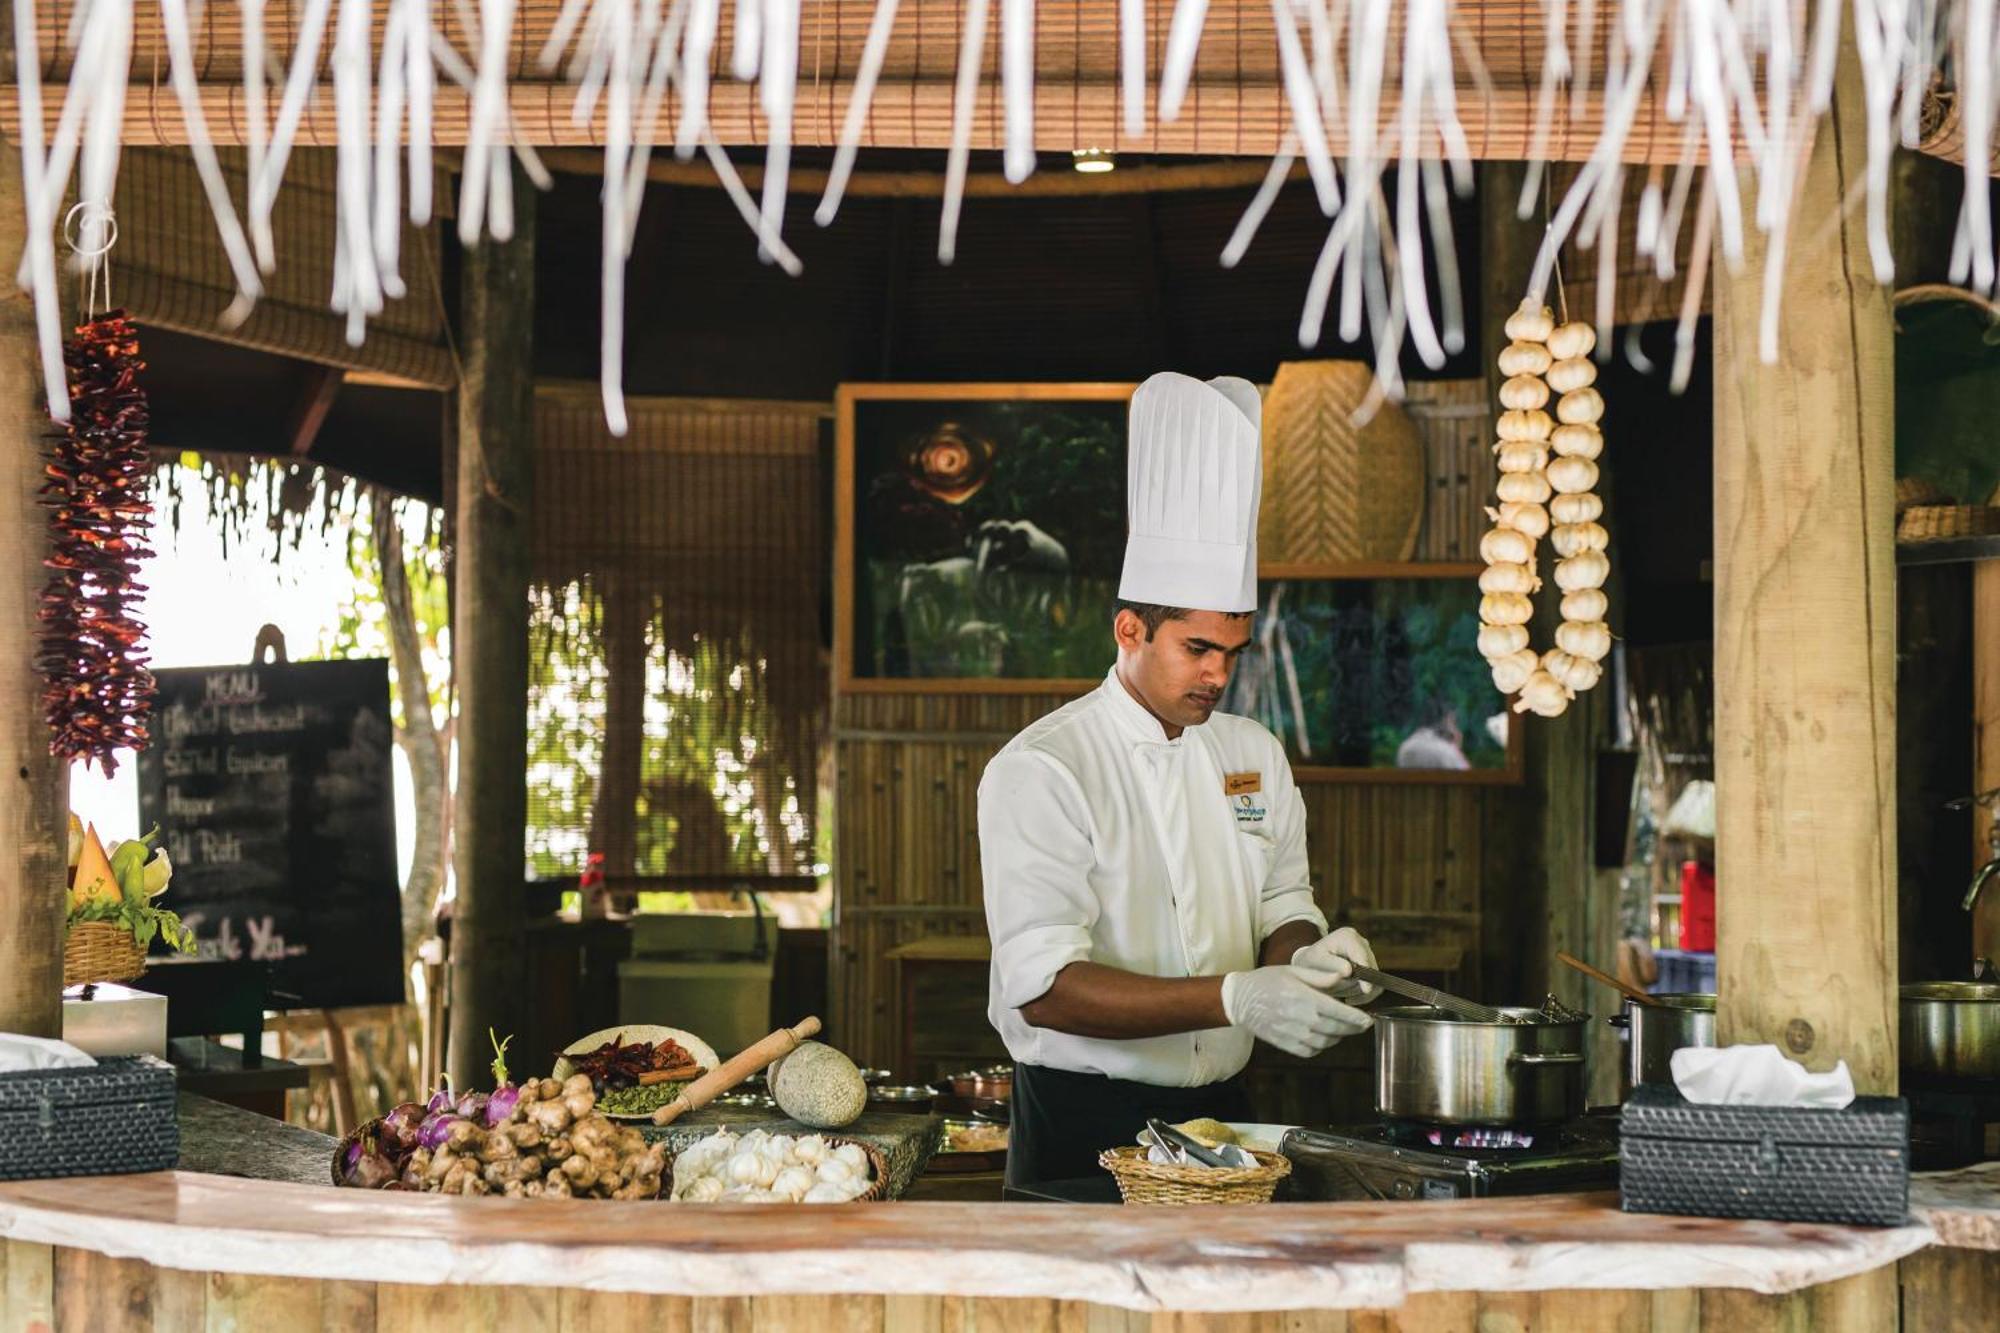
1246, 797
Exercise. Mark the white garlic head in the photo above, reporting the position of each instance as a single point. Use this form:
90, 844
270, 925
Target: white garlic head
1530, 427
1524, 393
1572, 672
794, 1181
826, 1193
1524, 488
833, 1171
702, 1189
1585, 604
1510, 673
810, 1149
1508, 578
1522, 456
1498, 641
1572, 340
1585, 569
1573, 374
1543, 695
1531, 323
1505, 546
1570, 538
1582, 407
1572, 476
1530, 519
854, 1156
1588, 639
1577, 441
1524, 358
1580, 508
1506, 608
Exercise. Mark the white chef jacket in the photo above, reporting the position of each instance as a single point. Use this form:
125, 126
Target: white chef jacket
1102, 840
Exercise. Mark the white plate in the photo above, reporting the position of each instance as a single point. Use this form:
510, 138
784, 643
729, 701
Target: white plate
1259, 1138
704, 1054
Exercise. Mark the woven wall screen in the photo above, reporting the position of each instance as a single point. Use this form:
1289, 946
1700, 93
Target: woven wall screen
168, 269
678, 696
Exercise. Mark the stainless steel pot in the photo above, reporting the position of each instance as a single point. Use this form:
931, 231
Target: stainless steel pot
1442, 1070
1658, 1030
1951, 1031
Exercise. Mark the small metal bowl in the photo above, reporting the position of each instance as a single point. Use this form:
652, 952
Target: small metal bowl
873, 1076
749, 1101
903, 1100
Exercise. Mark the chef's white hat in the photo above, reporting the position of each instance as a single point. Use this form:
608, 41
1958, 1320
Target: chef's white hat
1194, 478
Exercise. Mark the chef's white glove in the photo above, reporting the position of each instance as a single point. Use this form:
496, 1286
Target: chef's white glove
1329, 964
1278, 1005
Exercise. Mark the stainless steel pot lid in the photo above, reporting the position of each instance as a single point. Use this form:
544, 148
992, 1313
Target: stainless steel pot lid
1694, 1001
1512, 1016
1976, 992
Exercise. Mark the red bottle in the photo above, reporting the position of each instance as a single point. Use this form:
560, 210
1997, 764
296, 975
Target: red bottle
1697, 907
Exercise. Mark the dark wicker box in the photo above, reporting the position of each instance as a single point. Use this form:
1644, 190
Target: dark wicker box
117, 1117
1787, 1164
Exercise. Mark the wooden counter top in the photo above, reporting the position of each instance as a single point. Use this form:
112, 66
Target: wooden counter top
1292, 1256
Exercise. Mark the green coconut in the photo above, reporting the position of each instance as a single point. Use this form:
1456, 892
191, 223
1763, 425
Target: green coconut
818, 1086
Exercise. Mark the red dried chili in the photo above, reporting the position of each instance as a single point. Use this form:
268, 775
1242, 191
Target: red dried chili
99, 693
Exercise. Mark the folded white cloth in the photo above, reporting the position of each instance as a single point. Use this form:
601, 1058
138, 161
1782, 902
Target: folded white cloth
18, 1052
1757, 1076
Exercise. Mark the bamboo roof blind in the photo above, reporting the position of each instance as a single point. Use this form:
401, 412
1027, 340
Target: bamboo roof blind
1235, 102
168, 269
684, 562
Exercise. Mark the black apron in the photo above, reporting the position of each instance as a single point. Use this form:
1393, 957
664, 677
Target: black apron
1060, 1120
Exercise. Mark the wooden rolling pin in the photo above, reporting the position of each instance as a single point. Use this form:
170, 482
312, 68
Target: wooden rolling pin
734, 1070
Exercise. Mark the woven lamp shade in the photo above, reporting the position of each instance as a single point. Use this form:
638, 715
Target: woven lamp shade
1335, 491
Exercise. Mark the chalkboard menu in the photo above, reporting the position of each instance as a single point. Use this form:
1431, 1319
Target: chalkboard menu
271, 786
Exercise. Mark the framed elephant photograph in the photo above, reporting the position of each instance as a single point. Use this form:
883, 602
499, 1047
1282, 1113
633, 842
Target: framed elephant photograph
980, 533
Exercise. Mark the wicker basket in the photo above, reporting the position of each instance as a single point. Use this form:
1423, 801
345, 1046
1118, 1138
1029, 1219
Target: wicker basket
1936, 522
100, 951
1141, 1181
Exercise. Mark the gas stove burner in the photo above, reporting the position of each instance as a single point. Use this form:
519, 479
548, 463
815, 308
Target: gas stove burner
1503, 1139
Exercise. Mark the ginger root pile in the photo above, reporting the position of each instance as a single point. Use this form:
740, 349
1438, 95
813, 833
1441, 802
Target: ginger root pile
553, 1144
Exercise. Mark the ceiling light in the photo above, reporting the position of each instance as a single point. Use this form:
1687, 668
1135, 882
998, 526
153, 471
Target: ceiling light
1092, 161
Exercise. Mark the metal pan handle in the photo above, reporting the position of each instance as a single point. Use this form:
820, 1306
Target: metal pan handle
1541, 1058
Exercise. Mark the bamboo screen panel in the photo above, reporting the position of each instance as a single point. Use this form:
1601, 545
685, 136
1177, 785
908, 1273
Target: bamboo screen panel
679, 685
168, 269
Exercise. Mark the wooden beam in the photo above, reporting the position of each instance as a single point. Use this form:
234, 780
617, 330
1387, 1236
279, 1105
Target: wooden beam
322, 384
33, 786
1805, 625
494, 501
1985, 923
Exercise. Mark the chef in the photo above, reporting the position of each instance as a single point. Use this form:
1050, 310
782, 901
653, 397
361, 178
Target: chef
1144, 856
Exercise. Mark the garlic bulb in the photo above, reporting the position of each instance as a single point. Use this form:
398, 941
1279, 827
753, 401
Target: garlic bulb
1508, 578
1580, 408
794, 1181
702, 1189
1520, 358
1524, 393
1531, 519
1580, 508
1590, 640
1543, 695
833, 1171
1506, 608
810, 1149
1531, 324
1504, 546
1571, 672
1534, 426
1498, 641
1578, 441
1522, 457
1569, 376
1570, 538
1586, 569
1510, 673
1585, 604
1524, 488
1572, 340
825, 1193
856, 1159
1572, 476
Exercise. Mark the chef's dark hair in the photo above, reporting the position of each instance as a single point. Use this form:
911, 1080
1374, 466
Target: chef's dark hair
1155, 616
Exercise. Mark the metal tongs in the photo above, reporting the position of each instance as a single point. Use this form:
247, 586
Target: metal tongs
1467, 1009
1168, 1137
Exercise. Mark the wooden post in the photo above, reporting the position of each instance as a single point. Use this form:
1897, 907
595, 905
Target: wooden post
494, 497
33, 785
1805, 625
1539, 876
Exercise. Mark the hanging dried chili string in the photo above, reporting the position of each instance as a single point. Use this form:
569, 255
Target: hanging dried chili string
93, 651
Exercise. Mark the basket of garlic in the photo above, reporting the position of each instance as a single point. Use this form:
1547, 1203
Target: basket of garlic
760, 1167
1543, 359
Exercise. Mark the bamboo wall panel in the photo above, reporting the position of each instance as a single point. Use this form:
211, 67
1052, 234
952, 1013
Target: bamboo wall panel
1453, 419
1941, 1291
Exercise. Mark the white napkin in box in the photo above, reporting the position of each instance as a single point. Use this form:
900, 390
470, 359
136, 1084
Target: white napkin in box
1757, 1076
18, 1052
